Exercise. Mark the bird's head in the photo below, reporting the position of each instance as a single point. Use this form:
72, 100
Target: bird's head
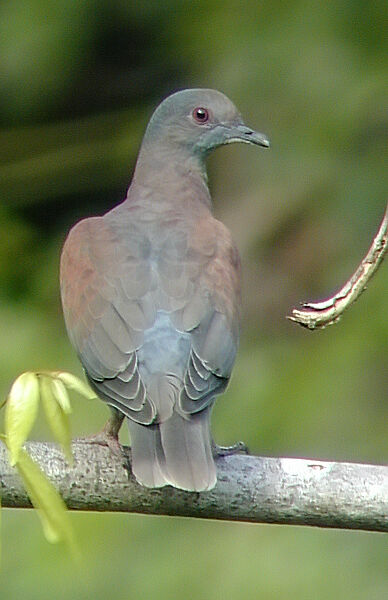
197, 121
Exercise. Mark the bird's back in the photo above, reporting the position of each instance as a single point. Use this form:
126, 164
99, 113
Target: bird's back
151, 306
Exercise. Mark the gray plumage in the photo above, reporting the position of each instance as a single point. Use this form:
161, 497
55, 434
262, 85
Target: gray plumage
151, 293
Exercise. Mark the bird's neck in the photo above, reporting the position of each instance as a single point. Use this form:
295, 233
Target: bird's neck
168, 175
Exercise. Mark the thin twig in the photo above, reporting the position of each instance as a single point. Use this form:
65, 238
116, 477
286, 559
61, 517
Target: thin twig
315, 315
249, 488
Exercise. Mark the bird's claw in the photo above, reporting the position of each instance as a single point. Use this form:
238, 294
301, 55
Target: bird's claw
238, 448
102, 438
108, 436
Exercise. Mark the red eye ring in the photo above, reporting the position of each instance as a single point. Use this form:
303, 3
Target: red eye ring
200, 114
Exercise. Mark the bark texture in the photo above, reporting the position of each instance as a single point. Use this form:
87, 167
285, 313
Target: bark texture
249, 488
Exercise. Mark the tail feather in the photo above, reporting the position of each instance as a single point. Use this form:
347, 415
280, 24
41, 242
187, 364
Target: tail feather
186, 444
176, 452
148, 464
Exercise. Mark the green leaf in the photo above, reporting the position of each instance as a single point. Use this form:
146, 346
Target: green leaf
57, 418
61, 395
73, 383
45, 498
21, 410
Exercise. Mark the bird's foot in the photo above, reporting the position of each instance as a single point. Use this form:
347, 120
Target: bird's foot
103, 439
238, 448
108, 436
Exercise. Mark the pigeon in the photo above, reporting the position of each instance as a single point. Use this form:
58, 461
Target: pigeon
151, 294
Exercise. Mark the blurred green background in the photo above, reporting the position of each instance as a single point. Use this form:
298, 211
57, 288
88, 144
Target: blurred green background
79, 80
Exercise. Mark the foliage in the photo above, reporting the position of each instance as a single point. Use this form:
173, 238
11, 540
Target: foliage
21, 409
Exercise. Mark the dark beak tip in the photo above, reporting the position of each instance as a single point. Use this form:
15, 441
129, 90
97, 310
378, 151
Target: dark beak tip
260, 140
246, 134
256, 138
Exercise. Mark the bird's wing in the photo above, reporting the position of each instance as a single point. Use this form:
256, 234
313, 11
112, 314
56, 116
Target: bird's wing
107, 303
114, 278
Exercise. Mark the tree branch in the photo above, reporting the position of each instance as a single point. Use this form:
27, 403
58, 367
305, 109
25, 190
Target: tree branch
314, 315
249, 488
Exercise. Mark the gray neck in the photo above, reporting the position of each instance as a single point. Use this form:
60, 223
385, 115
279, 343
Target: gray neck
165, 173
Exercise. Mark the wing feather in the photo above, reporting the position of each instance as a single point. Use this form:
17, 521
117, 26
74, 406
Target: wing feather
106, 318
116, 276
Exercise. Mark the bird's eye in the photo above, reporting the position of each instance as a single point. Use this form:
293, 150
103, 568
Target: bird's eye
200, 114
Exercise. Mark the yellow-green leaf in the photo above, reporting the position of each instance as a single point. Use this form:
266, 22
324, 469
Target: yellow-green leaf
57, 419
61, 395
21, 410
73, 383
45, 498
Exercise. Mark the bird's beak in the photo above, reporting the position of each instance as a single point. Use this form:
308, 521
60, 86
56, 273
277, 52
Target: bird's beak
242, 133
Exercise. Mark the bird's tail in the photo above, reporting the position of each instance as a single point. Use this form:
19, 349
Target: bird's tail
175, 452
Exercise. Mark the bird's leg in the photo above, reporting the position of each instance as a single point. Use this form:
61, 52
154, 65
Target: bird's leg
238, 448
109, 434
